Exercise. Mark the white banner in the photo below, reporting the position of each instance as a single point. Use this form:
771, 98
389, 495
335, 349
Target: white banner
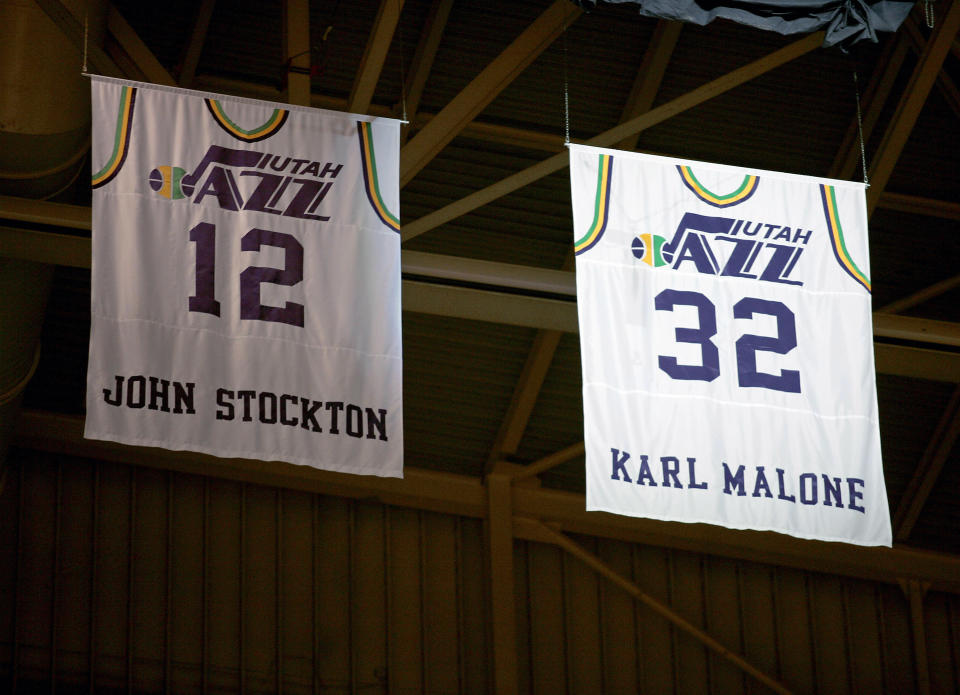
245, 279
727, 347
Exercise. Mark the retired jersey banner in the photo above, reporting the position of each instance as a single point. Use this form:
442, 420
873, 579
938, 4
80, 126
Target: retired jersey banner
245, 279
727, 347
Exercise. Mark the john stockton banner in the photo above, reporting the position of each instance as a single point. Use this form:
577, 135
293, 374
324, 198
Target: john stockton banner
245, 279
726, 339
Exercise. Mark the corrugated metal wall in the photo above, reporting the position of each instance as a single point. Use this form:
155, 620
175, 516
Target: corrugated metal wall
126, 579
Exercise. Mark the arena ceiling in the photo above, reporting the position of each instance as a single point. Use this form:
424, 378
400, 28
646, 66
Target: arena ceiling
491, 354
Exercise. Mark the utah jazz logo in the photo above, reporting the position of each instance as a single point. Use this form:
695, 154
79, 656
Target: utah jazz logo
726, 246
168, 182
275, 184
649, 249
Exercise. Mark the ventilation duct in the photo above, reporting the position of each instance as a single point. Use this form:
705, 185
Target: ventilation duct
44, 137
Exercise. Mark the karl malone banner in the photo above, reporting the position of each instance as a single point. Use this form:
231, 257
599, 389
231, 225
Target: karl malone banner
727, 347
245, 279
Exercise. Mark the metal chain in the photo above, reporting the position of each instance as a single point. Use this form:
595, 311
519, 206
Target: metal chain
85, 31
566, 89
928, 13
403, 84
863, 149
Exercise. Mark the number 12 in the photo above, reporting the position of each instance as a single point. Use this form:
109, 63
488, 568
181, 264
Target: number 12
204, 300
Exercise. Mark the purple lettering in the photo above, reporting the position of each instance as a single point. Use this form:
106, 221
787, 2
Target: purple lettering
136, 392
284, 420
377, 421
247, 396
225, 411
159, 390
334, 408
331, 170
115, 398
310, 195
670, 465
354, 421
618, 462
308, 419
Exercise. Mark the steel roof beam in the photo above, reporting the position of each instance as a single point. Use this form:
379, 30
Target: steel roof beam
920, 296
374, 56
503, 614
545, 343
484, 88
296, 49
946, 85
97, 59
911, 103
874, 97
194, 47
423, 59
917, 205
525, 303
635, 125
928, 469
136, 49
534, 140
653, 67
523, 310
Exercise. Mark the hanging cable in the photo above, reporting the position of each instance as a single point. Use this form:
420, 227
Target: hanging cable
403, 73
566, 89
83, 70
863, 148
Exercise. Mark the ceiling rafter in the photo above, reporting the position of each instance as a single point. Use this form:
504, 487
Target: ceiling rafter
916, 363
466, 496
492, 80
635, 125
470, 302
945, 84
550, 461
649, 77
374, 55
499, 534
96, 58
928, 469
911, 103
134, 47
194, 47
916, 329
551, 536
296, 49
530, 139
874, 97
918, 205
423, 59
524, 398
920, 296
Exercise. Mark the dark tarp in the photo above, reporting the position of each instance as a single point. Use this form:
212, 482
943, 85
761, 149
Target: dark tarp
845, 21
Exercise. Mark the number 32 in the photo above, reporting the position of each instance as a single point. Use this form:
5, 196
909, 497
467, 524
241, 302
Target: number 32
747, 345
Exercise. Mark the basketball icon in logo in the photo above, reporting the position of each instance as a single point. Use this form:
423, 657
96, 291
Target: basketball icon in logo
649, 249
168, 182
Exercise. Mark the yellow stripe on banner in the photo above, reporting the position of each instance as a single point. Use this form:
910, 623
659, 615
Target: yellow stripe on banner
746, 189
372, 182
121, 139
836, 235
262, 132
600, 208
